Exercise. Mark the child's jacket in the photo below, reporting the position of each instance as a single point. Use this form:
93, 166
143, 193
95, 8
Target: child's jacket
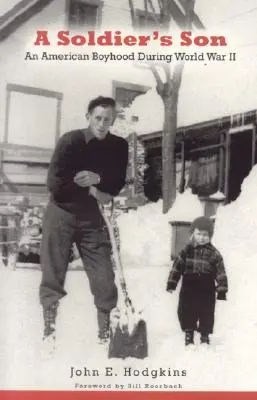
199, 262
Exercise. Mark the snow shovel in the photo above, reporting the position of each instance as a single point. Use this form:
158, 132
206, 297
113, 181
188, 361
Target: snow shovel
128, 334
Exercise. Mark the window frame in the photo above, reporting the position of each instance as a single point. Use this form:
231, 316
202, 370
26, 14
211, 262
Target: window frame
98, 4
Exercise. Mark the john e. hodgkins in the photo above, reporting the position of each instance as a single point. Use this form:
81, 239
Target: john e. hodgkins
126, 371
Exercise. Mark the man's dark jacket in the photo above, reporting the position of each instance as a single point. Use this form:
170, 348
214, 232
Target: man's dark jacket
76, 151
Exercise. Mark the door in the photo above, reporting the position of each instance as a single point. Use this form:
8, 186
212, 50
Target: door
240, 159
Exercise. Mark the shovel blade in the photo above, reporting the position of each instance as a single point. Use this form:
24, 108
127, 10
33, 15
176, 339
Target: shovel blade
124, 344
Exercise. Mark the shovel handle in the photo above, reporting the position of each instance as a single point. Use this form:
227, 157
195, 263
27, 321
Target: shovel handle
116, 254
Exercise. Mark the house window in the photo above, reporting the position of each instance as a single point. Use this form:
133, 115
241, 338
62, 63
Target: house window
203, 174
124, 93
85, 13
146, 20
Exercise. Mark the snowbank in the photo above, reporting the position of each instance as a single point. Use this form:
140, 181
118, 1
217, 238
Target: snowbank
236, 223
236, 237
229, 362
145, 236
186, 207
146, 233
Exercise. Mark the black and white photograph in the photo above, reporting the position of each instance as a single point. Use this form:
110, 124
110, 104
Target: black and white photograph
128, 184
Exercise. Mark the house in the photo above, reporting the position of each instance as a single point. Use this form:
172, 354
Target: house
42, 99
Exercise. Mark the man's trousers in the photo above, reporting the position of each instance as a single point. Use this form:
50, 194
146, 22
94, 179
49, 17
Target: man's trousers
60, 230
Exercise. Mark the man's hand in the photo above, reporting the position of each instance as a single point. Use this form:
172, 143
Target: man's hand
170, 288
102, 197
86, 178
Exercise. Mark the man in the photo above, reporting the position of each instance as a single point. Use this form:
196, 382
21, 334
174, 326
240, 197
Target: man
88, 166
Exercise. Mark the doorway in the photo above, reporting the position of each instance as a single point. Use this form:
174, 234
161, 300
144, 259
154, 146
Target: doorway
240, 161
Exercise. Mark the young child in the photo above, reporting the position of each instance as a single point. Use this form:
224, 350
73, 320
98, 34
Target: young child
201, 266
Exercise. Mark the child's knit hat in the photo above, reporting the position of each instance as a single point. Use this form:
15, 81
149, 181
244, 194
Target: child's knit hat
203, 224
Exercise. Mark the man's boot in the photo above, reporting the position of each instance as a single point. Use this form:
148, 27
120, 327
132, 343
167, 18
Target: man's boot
189, 337
103, 319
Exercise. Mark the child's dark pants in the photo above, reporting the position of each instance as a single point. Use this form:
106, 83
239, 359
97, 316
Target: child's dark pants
60, 230
197, 303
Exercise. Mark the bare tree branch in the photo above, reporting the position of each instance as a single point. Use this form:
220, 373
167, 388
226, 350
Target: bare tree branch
160, 6
156, 19
146, 9
165, 16
160, 84
152, 7
189, 15
132, 12
177, 75
195, 19
167, 71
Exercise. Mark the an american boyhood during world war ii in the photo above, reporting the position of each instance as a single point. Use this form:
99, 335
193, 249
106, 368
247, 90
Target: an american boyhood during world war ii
127, 204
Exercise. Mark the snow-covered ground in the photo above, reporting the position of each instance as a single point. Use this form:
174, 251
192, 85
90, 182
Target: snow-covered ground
229, 363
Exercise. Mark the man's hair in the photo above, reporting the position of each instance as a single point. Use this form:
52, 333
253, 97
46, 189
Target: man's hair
101, 101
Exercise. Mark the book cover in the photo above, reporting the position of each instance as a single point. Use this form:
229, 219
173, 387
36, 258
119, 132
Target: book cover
183, 74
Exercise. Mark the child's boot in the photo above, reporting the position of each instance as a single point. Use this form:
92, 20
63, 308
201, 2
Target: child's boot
204, 339
189, 337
